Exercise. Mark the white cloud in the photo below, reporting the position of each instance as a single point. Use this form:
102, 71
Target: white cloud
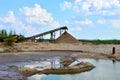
39, 77
20, 26
73, 26
84, 22
10, 18
90, 7
77, 25
78, 1
115, 23
102, 21
32, 20
66, 5
37, 15
16, 24
75, 29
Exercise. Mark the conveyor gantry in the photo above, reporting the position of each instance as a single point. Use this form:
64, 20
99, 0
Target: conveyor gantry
51, 32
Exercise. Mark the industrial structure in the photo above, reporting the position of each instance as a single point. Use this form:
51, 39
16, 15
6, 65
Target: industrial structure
51, 32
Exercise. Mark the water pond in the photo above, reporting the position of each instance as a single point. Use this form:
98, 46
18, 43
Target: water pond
105, 70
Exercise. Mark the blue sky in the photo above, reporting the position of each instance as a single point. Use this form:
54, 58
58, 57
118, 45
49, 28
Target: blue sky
85, 19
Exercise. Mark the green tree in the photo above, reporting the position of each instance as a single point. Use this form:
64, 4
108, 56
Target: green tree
9, 41
3, 33
7, 37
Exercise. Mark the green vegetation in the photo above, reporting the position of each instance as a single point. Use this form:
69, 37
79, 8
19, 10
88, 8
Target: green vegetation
9, 41
4, 34
6, 37
98, 41
101, 41
43, 40
10, 37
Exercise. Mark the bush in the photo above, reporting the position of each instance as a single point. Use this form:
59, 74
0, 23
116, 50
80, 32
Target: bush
9, 41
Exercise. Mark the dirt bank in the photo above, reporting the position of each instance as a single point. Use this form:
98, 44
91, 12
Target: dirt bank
37, 47
32, 46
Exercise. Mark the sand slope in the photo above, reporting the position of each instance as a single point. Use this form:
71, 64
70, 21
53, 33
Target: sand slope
33, 47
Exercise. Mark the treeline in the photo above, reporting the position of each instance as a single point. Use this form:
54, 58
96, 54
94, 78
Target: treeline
101, 41
98, 41
9, 37
43, 40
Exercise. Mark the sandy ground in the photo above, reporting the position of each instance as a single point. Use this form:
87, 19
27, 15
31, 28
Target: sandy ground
83, 50
32, 46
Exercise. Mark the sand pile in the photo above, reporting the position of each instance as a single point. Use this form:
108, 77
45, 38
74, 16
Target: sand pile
66, 38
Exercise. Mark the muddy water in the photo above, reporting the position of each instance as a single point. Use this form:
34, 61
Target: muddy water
105, 70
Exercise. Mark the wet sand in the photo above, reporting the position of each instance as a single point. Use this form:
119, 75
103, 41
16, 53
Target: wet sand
28, 56
6, 58
37, 56
8, 62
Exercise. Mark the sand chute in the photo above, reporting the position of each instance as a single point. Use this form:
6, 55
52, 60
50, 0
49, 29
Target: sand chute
66, 38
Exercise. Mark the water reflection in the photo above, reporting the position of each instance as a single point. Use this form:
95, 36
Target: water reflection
105, 70
113, 61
